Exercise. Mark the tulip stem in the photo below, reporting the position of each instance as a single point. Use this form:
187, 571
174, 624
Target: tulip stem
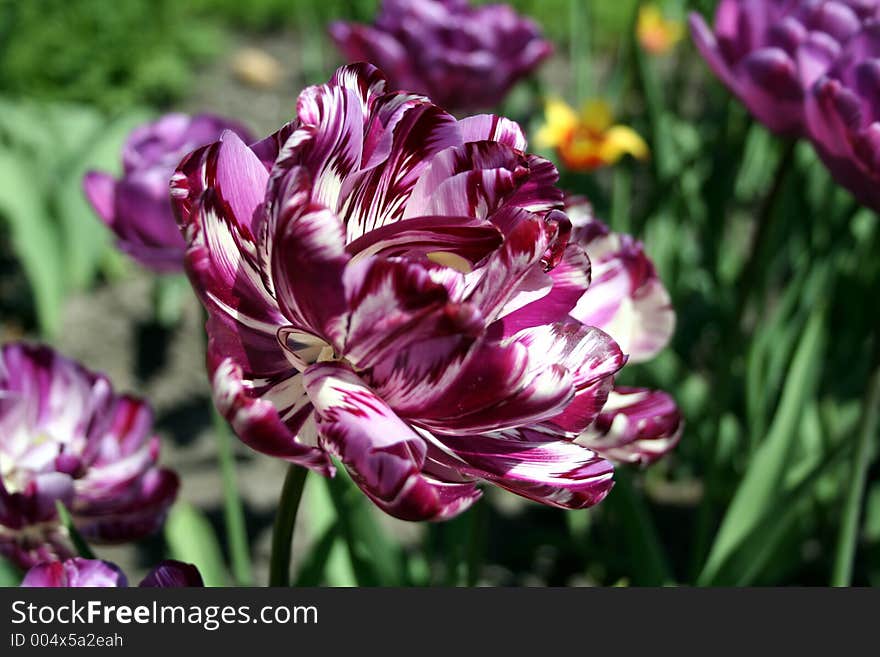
846, 543
79, 543
285, 520
233, 512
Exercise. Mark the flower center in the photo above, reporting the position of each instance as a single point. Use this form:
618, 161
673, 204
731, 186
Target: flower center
303, 349
24, 457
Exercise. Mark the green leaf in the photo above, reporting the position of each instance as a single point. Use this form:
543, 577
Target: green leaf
233, 510
10, 575
760, 488
191, 538
376, 560
649, 563
775, 523
35, 238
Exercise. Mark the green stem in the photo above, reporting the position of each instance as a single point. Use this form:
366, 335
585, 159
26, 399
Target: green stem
285, 520
233, 510
79, 543
479, 529
849, 528
579, 48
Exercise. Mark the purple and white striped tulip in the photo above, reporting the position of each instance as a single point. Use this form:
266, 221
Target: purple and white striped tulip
627, 300
94, 573
379, 282
769, 53
465, 58
66, 436
136, 207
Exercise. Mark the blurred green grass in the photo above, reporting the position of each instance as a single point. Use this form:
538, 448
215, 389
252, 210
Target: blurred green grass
147, 51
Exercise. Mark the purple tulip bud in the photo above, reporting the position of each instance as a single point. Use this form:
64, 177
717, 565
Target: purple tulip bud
94, 573
392, 286
66, 436
462, 57
136, 207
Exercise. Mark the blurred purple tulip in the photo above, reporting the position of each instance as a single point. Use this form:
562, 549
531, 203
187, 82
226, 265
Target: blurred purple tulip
627, 300
843, 116
464, 58
770, 52
94, 573
379, 278
66, 436
136, 207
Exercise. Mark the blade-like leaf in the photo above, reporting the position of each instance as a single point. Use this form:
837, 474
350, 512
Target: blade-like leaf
191, 538
9, 574
35, 238
760, 488
376, 560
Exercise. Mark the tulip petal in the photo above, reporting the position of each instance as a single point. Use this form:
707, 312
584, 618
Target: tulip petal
489, 127
570, 279
531, 464
100, 190
75, 573
173, 574
626, 298
395, 303
381, 452
465, 237
269, 418
636, 426
591, 358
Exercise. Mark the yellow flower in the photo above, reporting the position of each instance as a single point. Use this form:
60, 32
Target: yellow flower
587, 140
657, 34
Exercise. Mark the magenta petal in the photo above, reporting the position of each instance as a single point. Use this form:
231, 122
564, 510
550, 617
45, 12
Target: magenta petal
308, 257
240, 177
464, 57
570, 279
489, 386
74, 573
136, 515
506, 273
471, 239
395, 303
489, 127
267, 428
636, 426
532, 464
625, 298
173, 574
381, 452
100, 190
137, 207
69, 438
591, 358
